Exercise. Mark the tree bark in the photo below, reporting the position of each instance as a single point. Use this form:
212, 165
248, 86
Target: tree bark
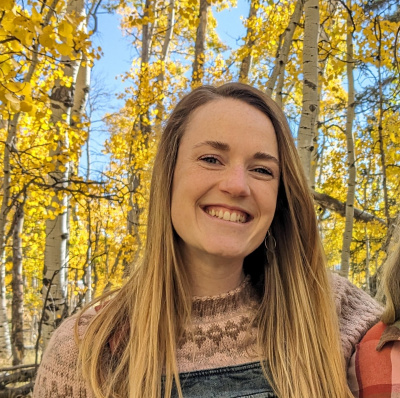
134, 176
81, 92
146, 38
283, 55
378, 35
310, 85
199, 48
163, 58
5, 340
323, 37
250, 40
10, 146
55, 256
351, 159
17, 308
327, 202
80, 99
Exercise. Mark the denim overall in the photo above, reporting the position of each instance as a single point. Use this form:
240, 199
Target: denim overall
242, 381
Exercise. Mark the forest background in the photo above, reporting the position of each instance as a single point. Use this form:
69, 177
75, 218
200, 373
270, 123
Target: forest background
70, 230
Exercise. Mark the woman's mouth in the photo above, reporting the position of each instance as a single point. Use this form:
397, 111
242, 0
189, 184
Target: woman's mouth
227, 214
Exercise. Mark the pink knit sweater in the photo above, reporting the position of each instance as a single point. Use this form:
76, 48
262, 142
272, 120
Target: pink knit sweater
219, 337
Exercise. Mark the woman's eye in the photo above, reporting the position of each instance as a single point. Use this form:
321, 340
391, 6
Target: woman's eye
210, 159
261, 170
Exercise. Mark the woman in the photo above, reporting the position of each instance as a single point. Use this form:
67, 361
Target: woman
375, 366
232, 298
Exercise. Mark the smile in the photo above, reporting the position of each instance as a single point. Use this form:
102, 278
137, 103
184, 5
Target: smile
227, 215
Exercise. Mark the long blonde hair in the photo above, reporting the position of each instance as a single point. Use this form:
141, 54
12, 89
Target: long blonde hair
391, 279
298, 329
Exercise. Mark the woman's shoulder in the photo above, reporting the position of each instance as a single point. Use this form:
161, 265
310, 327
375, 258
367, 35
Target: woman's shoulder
373, 367
346, 292
357, 312
57, 375
63, 341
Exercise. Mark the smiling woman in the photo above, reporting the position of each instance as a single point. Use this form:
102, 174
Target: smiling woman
232, 298
224, 192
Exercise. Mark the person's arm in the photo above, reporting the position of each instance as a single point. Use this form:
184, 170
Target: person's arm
374, 367
357, 312
58, 376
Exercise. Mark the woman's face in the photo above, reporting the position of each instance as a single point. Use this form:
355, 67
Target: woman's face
226, 181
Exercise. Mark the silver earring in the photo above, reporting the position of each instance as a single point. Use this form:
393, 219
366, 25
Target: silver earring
269, 241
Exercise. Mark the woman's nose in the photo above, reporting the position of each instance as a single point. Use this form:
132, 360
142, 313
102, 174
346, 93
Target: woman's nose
235, 182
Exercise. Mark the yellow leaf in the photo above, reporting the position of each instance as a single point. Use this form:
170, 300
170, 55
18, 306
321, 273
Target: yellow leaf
64, 49
36, 17
25, 106
7, 5
47, 38
65, 29
11, 98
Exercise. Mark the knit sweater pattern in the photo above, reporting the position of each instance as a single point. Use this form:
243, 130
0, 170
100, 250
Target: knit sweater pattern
221, 334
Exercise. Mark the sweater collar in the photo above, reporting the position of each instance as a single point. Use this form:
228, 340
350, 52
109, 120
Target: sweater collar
243, 295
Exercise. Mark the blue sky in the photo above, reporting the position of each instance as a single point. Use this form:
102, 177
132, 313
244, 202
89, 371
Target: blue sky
118, 53
116, 59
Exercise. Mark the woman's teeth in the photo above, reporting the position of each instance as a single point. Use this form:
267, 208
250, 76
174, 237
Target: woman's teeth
227, 216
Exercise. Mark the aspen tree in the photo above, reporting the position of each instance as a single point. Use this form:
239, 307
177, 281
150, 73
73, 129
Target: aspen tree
5, 339
245, 65
378, 34
324, 37
310, 85
141, 129
199, 47
278, 72
17, 307
163, 58
56, 256
351, 158
10, 146
5, 342
80, 98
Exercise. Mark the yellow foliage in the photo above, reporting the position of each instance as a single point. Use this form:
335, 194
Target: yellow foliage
49, 140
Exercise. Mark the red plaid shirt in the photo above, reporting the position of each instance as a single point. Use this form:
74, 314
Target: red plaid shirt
374, 370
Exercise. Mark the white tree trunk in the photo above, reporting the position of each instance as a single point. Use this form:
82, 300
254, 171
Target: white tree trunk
163, 57
17, 307
133, 216
323, 37
247, 60
10, 145
367, 261
282, 58
80, 99
310, 85
380, 122
5, 340
56, 257
351, 160
81, 93
199, 47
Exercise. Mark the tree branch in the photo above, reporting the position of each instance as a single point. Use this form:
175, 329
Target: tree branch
330, 203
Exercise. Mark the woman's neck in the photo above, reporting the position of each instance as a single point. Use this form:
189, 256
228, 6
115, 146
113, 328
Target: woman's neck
211, 280
210, 274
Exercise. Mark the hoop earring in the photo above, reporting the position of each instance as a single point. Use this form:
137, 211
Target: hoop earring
268, 240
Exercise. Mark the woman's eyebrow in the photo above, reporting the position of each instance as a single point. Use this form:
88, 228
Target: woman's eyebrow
265, 156
222, 146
